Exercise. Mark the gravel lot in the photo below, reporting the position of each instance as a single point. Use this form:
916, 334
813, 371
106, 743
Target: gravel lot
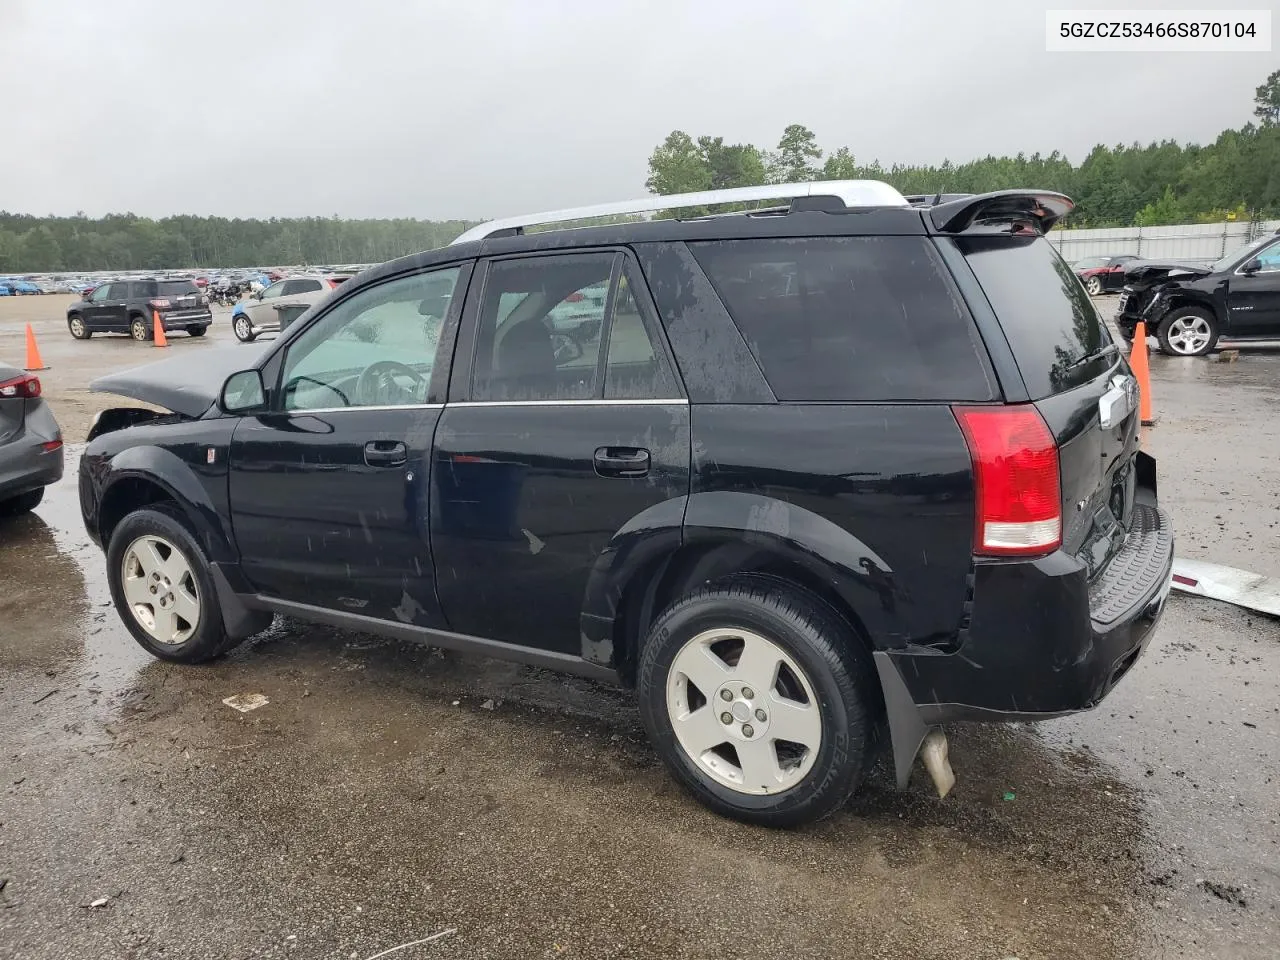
388, 793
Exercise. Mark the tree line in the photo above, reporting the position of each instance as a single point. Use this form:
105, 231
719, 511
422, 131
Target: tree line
126, 242
1236, 176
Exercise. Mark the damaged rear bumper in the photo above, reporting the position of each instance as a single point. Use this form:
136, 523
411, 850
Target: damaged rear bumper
1043, 640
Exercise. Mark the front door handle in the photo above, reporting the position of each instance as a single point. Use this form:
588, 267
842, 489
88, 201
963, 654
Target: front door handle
622, 462
385, 453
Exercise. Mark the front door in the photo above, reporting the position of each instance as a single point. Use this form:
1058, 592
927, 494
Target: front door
570, 425
329, 489
261, 310
106, 309
1254, 299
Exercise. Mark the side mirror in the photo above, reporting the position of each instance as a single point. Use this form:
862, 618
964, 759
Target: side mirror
1252, 267
242, 392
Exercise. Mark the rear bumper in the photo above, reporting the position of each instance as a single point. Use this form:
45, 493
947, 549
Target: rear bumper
187, 318
1043, 641
24, 463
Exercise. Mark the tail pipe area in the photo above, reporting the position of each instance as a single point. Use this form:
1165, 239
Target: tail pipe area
909, 735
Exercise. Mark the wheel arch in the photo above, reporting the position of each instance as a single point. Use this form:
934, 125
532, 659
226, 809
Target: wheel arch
144, 475
1193, 298
727, 533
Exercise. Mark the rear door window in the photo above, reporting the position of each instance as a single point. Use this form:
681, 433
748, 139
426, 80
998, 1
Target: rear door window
847, 319
1056, 335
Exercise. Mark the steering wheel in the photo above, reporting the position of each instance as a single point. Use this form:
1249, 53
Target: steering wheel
377, 383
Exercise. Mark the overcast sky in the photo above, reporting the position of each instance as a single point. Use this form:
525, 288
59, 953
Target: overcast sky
479, 108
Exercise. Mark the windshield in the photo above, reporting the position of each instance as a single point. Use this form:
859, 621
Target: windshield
1239, 254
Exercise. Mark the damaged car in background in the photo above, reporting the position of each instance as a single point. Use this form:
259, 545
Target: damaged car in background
1190, 307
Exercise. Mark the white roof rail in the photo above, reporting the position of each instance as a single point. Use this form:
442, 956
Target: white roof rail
854, 193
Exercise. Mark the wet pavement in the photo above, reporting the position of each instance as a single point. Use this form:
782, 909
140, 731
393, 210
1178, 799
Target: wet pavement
388, 793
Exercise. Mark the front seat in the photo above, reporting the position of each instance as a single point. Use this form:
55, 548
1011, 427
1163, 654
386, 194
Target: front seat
525, 359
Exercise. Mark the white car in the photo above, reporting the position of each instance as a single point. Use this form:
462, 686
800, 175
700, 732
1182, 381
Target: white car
286, 298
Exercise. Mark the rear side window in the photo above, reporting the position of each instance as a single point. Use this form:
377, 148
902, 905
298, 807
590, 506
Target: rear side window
846, 319
177, 288
1054, 332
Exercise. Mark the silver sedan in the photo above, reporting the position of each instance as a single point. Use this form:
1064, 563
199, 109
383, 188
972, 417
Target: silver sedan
30, 442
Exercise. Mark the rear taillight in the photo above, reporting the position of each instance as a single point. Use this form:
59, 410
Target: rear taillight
159, 303
1015, 472
24, 387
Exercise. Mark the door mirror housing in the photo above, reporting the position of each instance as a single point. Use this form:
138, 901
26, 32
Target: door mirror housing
242, 392
1252, 267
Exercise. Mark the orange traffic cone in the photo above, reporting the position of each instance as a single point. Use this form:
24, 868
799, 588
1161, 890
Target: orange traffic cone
33, 352
1138, 363
159, 336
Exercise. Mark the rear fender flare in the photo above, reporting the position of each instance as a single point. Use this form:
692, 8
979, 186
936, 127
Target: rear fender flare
729, 532
170, 473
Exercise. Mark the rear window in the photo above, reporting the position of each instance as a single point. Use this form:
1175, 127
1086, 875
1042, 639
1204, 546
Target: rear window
848, 319
1047, 317
177, 288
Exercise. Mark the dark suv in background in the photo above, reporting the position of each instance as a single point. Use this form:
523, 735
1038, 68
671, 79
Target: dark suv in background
1190, 307
129, 306
821, 469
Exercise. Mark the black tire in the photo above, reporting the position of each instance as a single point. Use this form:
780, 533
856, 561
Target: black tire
79, 329
834, 662
1180, 318
1094, 286
22, 503
196, 331
209, 639
140, 330
242, 327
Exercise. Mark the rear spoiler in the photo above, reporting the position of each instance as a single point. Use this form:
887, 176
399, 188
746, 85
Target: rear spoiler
933, 199
1016, 209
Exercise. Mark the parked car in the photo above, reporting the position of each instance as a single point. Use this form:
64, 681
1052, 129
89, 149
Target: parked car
1102, 274
786, 516
5, 290
1190, 307
261, 312
129, 306
30, 442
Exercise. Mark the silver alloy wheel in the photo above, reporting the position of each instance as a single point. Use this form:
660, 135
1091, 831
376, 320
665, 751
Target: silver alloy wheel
1189, 334
1094, 286
77, 328
242, 328
743, 711
161, 590
138, 329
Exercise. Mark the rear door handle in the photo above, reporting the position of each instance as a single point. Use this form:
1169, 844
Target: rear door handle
622, 461
385, 453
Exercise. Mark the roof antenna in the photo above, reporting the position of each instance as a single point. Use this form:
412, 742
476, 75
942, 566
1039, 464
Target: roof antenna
937, 199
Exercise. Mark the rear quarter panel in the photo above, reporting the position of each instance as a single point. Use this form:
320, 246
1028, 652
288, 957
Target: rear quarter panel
896, 480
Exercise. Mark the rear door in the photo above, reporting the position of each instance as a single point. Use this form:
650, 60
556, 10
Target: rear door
1069, 364
556, 435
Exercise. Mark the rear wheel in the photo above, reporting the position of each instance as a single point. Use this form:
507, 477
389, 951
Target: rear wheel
139, 330
162, 588
78, 328
1188, 332
1094, 286
243, 329
759, 700
196, 331
22, 503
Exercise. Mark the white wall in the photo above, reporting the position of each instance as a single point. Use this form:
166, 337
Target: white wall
1192, 241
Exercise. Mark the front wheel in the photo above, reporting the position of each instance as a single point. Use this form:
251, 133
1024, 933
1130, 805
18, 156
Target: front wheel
759, 700
162, 588
1094, 286
243, 329
78, 328
1188, 332
139, 330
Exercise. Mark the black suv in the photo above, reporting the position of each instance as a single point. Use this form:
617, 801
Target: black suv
835, 467
130, 306
1190, 307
